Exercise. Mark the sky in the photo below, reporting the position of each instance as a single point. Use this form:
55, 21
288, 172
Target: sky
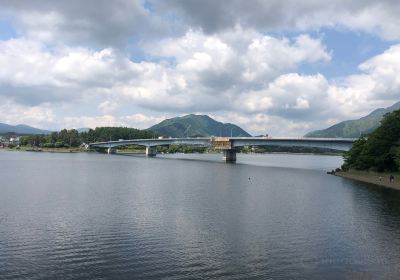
282, 67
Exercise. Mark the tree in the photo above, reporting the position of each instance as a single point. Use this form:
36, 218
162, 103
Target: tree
380, 150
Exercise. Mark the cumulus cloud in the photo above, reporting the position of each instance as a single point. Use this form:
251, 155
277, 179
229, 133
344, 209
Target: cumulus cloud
39, 116
198, 73
136, 120
115, 23
220, 59
205, 73
290, 96
377, 86
32, 74
262, 124
90, 22
380, 17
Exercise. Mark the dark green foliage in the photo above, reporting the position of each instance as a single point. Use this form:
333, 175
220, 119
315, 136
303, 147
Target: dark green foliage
380, 151
294, 150
180, 149
197, 126
101, 134
355, 128
72, 138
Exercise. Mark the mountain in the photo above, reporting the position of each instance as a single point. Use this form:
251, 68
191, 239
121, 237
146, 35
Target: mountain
197, 126
354, 128
21, 129
83, 129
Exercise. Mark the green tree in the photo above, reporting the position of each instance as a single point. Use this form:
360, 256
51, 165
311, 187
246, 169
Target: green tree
380, 150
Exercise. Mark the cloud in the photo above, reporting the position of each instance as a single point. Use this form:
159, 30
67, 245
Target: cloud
69, 55
103, 23
378, 85
136, 120
206, 75
379, 17
89, 22
262, 124
39, 116
32, 74
290, 96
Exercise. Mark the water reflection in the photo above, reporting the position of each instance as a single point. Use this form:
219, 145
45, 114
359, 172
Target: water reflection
98, 216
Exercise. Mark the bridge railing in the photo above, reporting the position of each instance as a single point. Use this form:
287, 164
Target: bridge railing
225, 143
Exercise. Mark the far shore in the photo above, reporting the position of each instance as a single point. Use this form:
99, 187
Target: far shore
380, 179
133, 151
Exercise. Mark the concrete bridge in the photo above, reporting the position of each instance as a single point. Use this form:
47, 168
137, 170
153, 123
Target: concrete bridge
228, 145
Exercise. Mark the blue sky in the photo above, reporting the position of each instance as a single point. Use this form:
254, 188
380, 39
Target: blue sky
7, 30
277, 67
349, 49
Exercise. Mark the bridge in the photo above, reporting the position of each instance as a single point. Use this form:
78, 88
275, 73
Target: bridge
228, 145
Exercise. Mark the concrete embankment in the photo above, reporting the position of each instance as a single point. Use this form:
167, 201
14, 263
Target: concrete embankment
380, 179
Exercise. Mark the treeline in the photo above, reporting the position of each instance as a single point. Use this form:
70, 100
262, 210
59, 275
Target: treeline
73, 138
292, 150
380, 150
171, 149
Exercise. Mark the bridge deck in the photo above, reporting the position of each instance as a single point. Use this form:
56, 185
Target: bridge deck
225, 143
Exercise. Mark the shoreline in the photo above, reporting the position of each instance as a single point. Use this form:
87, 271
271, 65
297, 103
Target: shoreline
371, 178
77, 150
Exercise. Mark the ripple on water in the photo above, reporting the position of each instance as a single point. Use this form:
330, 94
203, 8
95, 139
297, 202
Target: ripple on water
112, 217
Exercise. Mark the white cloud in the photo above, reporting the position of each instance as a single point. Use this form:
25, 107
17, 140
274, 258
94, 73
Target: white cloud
377, 86
90, 121
33, 74
290, 96
207, 75
39, 116
378, 17
142, 121
238, 71
136, 120
262, 124
90, 22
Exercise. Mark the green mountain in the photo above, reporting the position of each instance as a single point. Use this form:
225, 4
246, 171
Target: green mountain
21, 129
354, 128
197, 126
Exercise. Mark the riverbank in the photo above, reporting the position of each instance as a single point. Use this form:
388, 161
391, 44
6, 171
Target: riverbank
136, 151
46, 150
380, 179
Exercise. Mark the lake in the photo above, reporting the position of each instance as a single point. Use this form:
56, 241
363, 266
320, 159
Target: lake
273, 216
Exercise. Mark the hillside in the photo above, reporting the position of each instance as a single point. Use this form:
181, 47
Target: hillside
354, 128
380, 151
197, 126
21, 129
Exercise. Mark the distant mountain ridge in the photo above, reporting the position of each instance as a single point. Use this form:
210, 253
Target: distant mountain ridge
197, 126
21, 129
354, 128
83, 129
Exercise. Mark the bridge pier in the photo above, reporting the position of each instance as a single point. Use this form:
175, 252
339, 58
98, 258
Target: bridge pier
229, 155
151, 151
111, 151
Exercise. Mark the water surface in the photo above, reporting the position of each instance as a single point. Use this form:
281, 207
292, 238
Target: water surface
95, 216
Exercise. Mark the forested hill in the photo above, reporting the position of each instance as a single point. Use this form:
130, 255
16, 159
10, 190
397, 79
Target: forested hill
197, 126
21, 129
73, 138
355, 128
381, 150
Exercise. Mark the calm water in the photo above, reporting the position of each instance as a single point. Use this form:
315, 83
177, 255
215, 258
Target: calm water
93, 216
